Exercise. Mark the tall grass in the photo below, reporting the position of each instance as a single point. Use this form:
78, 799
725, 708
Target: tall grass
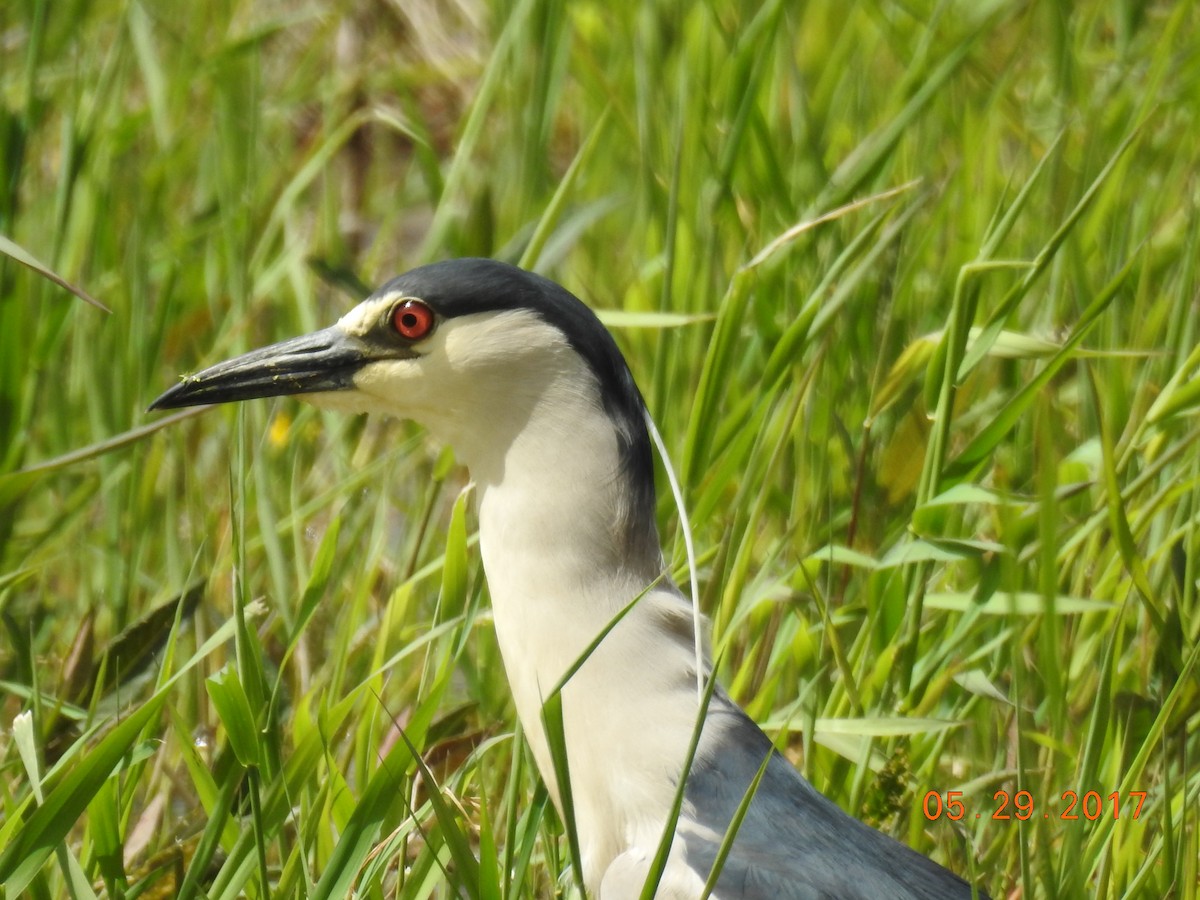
939, 448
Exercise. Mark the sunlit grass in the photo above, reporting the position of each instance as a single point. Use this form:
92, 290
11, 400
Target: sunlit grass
939, 450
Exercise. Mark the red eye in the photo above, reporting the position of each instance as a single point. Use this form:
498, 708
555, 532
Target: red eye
412, 320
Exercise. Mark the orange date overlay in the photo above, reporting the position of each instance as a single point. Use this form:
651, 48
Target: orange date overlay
1091, 805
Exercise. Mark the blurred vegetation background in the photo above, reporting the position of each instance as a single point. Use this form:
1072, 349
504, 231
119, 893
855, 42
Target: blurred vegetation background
910, 289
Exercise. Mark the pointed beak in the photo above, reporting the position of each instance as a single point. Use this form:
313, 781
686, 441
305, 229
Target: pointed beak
323, 361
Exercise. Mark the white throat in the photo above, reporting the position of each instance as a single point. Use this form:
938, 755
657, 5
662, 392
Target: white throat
558, 573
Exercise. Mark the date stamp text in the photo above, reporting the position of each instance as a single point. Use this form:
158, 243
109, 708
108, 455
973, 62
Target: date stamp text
1071, 805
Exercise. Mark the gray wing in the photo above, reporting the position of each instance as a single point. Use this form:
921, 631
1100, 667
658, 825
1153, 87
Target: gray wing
794, 842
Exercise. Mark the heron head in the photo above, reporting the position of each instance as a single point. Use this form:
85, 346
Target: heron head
469, 348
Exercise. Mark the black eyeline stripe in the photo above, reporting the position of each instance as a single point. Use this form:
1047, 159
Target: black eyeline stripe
460, 287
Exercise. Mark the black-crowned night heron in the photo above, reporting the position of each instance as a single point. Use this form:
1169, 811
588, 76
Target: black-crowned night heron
530, 390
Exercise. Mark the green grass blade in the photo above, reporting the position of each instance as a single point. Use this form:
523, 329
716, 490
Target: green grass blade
14, 251
467, 867
989, 437
74, 789
658, 864
1000, 315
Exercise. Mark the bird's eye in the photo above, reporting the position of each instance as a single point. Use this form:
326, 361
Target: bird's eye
413, 320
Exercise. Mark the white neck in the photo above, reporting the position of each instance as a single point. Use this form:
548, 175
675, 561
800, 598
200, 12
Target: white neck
552, 534
566, 545
559, 570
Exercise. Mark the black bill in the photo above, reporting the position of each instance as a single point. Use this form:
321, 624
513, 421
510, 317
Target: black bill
325, 360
